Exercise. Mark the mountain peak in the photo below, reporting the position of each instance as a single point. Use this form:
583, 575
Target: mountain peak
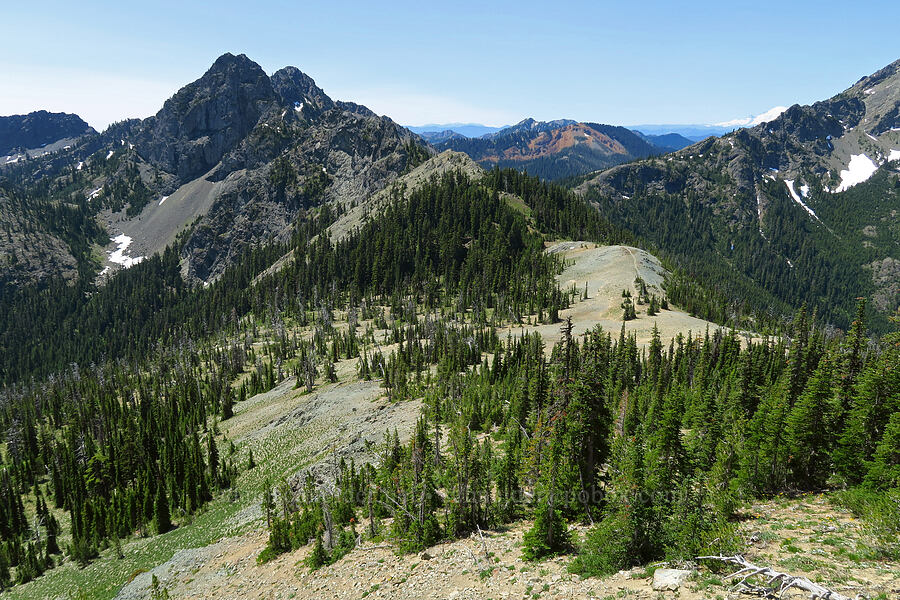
229, 60
207, 117
298, 89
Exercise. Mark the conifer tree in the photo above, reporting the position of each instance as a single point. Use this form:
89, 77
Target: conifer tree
810, 432
162, 517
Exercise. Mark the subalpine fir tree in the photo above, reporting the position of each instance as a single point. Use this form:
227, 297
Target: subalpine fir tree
4, 569
876, 397
228, 404
162, 518
318, 557
810, 433
883, 471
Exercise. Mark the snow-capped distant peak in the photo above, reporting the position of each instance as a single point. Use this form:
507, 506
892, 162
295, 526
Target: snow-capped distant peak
769, 115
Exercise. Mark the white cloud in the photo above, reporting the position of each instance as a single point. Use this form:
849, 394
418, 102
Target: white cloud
767, 116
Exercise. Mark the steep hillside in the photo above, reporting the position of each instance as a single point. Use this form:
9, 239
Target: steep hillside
554, 149
770, 205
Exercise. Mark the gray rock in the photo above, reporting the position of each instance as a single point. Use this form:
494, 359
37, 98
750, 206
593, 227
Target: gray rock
669, 579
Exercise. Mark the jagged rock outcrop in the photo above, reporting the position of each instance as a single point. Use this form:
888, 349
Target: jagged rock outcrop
207, 118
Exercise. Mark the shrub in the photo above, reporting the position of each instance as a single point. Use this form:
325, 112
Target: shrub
606, 549
548, 537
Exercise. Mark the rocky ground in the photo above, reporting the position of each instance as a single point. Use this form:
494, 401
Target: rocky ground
806, 536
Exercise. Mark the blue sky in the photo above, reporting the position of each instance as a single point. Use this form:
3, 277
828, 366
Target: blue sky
625, 62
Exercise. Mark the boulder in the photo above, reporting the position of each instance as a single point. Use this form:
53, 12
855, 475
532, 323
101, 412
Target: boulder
669, 579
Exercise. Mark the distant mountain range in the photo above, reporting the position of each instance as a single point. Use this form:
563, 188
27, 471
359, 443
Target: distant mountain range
436, 133
472, 130
556, 149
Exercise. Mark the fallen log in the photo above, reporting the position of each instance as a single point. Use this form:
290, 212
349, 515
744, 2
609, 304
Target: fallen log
783, 581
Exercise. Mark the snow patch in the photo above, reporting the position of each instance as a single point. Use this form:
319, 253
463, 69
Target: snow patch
869, 91
109, 155
894, 155
118, 255
860, 169
95, 193
790, 264
804, 190
80, 165
161, 200
298, 106
872, 137
790, 187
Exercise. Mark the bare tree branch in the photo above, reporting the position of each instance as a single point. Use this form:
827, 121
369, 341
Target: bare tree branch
784, 581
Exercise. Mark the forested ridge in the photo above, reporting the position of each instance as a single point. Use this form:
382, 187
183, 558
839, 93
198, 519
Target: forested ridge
754, 246
114, 395
113, 392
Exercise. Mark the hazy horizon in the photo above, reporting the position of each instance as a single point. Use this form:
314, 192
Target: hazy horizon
466, 63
